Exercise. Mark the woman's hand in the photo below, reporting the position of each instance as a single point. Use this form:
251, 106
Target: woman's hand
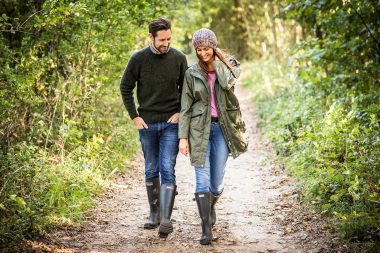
184, 147
218, 51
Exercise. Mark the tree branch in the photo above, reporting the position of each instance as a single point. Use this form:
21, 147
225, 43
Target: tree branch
23, 23
366, 26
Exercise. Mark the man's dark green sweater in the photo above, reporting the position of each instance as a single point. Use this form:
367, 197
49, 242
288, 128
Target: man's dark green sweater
159, 79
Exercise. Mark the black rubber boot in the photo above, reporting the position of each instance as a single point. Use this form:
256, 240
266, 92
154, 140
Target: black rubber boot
153, 191
214, 199
204, 208
167, 195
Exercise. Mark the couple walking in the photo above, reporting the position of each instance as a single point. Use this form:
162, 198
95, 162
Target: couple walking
192, 110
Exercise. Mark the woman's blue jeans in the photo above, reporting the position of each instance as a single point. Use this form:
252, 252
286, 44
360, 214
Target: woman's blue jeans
211, 177
159, 143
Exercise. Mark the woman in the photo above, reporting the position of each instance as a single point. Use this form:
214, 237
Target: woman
210, 125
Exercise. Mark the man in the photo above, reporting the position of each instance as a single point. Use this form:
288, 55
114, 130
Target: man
158, 71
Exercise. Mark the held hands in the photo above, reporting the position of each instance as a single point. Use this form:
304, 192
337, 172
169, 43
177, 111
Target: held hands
184, 147
140, 123
174, 118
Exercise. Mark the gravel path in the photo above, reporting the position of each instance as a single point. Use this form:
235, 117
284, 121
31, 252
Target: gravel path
258, 212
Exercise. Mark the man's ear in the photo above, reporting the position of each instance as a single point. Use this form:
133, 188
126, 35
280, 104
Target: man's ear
151, 36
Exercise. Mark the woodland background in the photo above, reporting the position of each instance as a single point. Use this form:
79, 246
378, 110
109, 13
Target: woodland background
312, 65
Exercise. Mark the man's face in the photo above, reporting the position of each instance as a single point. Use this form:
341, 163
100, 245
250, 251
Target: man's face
162, 40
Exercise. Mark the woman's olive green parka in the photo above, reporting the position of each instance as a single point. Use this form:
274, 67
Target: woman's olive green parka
195, 116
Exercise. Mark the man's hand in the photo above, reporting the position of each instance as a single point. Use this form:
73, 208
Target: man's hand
174, 118
184, 147
140, 123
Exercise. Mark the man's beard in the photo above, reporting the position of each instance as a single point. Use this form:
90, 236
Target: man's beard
162, 49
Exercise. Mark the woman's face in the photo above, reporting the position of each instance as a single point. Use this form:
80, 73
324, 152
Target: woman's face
205, 54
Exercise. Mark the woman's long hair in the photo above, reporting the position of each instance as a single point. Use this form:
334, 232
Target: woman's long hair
217, 53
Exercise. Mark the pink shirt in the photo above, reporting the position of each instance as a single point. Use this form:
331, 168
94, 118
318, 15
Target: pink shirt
211, 81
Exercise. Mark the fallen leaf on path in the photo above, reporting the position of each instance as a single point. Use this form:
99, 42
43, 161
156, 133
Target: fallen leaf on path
232, 242
287, 231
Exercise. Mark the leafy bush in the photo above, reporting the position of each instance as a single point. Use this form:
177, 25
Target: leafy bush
332, 148
64, 130
322, 112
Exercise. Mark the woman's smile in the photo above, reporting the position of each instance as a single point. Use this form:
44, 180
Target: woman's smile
206, 54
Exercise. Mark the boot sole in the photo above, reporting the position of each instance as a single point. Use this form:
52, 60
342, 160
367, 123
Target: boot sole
150, 226
205, 242
165, 229
163, 236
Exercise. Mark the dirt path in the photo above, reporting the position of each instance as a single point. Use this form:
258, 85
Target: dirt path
259, 211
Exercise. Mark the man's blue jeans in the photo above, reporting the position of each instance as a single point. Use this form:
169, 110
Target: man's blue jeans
159, 143
211, 177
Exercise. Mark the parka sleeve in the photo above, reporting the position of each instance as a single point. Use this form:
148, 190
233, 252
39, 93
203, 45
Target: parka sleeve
227, 78
186, 107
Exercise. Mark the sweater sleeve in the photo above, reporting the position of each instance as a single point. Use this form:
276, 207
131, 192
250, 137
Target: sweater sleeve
186, 107
127, 85
227, 77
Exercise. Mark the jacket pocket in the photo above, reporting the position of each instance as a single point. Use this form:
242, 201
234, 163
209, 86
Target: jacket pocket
232, 109
196, 115
196, 120
237, 129
235, 119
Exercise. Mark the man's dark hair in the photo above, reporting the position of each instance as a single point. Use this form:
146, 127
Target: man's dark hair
159, 24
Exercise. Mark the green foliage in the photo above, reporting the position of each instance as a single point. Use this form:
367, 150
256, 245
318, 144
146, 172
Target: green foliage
325, 122
333, 154
246, 28
64, 130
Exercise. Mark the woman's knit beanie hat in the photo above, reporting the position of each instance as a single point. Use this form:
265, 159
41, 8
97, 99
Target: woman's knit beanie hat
204, 37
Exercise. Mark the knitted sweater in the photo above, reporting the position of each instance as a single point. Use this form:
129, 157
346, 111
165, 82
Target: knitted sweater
159, 79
